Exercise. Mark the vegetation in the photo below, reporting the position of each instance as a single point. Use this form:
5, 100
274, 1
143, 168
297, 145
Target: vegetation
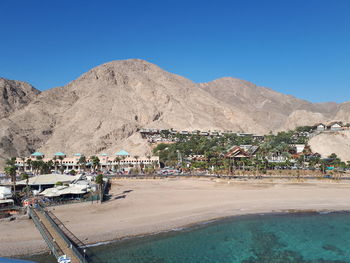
25, 176
212, 151
82, 162
10, 171
95, 162
99, 181
188, 145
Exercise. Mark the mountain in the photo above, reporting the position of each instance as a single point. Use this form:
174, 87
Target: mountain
102, 110
15, 95
270, 109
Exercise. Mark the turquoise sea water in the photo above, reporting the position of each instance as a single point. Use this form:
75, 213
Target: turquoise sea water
261, 238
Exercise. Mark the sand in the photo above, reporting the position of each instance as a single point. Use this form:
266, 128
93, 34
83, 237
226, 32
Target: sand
144, 206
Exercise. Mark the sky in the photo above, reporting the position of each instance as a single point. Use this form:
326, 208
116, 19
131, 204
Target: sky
297, 47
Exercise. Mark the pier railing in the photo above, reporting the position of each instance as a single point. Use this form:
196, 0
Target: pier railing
81, 250
67, 232
77, 252
45, 234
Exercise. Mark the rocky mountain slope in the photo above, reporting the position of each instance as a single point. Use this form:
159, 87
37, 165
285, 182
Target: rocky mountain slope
102, 110
15, 95
272, 110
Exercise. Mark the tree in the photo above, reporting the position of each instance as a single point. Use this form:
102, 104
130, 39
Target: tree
82, 162
39, 166
11, 161
49, 167
117, 161
137, 163
55, 163
95, 162
29, 163
61, 161
99, 181
10, 170
25, 176
24, 163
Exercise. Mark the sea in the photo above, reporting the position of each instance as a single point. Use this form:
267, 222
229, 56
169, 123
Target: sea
282, 238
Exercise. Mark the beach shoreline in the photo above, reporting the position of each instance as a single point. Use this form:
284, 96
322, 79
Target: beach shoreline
140, 207
195, 226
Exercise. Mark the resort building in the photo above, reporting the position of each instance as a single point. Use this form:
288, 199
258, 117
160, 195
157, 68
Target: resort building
44, 181
60, 161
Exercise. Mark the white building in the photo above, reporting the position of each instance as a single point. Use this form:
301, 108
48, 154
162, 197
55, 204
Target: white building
60, 160
321, 127
336, 127
5, 192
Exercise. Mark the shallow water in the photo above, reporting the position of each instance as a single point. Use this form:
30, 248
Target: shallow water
262, 238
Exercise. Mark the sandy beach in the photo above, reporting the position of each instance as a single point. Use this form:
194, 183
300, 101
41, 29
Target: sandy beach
144, 206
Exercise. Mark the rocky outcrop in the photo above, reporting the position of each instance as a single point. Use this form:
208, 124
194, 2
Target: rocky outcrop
14, 95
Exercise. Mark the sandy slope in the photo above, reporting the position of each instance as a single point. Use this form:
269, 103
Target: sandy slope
146, 206
332, 142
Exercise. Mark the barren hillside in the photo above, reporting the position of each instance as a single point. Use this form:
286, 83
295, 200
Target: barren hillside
102, 110
270, 109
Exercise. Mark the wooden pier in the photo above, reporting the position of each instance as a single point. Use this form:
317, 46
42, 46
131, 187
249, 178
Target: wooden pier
58, 238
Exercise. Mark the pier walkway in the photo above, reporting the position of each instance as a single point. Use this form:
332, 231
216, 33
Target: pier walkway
58, 238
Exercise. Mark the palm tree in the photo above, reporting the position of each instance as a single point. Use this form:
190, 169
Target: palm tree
82, 162
136, 158
24, 163
55, 162
99, 181
11, 161
29, 163
50, 164
61, 161
26, 177
123, 158
95, 162
117, 161
35, 166
10, 170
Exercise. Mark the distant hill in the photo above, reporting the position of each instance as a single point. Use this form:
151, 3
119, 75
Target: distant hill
102, 110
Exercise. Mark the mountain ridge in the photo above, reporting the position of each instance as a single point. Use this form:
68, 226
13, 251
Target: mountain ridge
102, 110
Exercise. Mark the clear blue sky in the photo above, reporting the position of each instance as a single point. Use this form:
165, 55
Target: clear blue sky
298, 47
